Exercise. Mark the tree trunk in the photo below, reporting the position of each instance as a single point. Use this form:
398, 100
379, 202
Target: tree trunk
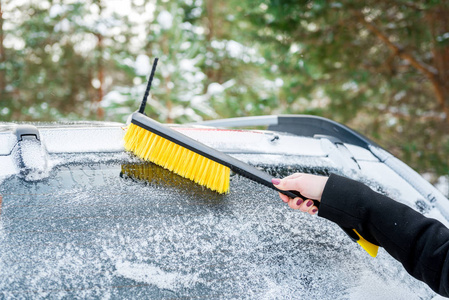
210, 35
100, 46
2, 57
100, 112
432, 73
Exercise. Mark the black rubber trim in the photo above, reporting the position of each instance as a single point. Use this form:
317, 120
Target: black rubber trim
306, 125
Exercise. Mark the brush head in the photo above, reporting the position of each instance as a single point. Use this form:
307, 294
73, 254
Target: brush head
145, 138
153, 142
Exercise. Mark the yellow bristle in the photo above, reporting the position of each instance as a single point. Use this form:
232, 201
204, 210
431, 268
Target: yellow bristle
182, 161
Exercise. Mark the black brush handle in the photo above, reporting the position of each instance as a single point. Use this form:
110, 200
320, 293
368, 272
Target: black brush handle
261, 177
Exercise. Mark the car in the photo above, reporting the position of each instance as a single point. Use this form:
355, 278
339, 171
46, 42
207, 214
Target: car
82, 218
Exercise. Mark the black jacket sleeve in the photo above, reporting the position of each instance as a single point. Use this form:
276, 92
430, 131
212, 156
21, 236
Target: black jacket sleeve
421, 244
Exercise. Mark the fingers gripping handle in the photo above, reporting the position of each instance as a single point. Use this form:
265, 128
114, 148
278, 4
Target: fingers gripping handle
291, 194
294, 194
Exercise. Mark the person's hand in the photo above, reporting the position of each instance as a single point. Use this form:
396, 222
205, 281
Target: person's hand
310, 186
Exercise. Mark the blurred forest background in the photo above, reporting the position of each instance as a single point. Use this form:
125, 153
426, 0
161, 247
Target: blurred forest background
380, 67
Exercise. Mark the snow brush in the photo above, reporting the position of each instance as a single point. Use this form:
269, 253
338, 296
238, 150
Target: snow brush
172, 150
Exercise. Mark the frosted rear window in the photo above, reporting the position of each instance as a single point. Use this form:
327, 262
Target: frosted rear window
131, 231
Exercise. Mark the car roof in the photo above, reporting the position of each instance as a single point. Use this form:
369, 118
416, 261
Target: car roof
82, 218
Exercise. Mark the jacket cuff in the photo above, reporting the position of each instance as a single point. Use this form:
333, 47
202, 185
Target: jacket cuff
343, 203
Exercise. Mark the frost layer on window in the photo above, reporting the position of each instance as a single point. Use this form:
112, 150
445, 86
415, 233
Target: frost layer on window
124, 231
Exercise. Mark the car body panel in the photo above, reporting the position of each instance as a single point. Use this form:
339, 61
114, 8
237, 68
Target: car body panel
97, 223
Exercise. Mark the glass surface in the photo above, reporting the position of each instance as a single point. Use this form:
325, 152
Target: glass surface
138, 231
